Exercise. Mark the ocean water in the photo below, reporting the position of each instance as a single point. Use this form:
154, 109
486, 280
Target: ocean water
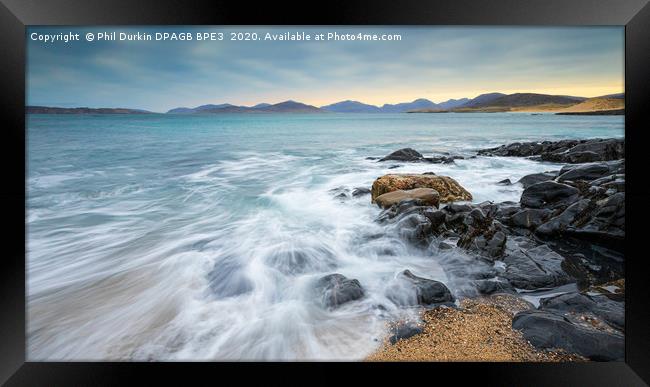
170, 237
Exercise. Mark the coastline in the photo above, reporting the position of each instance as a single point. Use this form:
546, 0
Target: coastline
498, 324
478, 330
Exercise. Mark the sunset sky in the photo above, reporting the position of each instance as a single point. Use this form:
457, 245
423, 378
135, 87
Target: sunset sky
437, 63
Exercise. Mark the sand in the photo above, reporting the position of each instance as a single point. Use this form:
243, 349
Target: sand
480, 330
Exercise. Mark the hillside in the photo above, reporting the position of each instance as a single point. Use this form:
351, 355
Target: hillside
596, 104
282, 107
529, 99
351, 107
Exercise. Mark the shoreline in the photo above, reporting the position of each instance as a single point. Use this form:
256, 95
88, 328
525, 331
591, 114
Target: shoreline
583, 201
478, 330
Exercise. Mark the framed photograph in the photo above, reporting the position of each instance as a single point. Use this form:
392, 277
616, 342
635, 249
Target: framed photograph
398, 189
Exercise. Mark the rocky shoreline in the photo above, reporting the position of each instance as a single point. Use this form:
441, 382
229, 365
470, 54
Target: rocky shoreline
567, 229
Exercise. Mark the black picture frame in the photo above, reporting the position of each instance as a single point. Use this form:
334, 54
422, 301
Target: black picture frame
15, 15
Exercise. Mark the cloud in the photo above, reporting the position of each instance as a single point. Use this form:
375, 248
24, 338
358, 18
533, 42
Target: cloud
429, 62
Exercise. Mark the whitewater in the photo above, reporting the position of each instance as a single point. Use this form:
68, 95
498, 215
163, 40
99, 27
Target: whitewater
200, 237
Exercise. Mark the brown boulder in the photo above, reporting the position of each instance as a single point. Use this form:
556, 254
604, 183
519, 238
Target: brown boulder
448, 189
427, 197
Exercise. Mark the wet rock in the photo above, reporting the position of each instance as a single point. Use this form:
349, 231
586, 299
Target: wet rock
549, 194
565, 151
491, 286
436, 217
442, 159
404, 331
336, 289
404, 154
547, 330
534, 268
455, 208
611, 312
561, 222
504, 182
535, 178
529, 218
341, 193
584, 172
445, 246
600, 220
424, 196
588, 151
448, 188
296, 260
360, 191
415, 290
415, 228
607, 220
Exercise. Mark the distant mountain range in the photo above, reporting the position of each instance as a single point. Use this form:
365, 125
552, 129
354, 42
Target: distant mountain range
490, 102
282, 107
421, 103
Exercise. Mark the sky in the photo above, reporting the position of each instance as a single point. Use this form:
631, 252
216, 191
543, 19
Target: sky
437, 63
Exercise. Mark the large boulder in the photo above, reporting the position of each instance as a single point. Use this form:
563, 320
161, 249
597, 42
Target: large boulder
601, 220
549, 194
529, 218
591, 171
410, 290
336, 289
535, 178
545, 329
424, 196
404, 154
610, 311
529, 267
448, 189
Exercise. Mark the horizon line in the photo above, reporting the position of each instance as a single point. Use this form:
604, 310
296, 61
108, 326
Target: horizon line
314, 105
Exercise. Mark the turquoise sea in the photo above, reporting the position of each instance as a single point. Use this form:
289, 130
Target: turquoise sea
199, 237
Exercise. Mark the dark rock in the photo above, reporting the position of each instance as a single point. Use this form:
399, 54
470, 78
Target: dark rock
561, 222
341, 193
585, 172
429, 173
607, 221
534, 268
535, 178
445, 246
565, 151
590, 150
611, 312
404, 154
504, 182
454, 208
360, 192
442, 159
529, 218
296, 260
404, 331
548, 330
436, 217
491, 286
549, 194
426, 291
336, 289
415, 228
